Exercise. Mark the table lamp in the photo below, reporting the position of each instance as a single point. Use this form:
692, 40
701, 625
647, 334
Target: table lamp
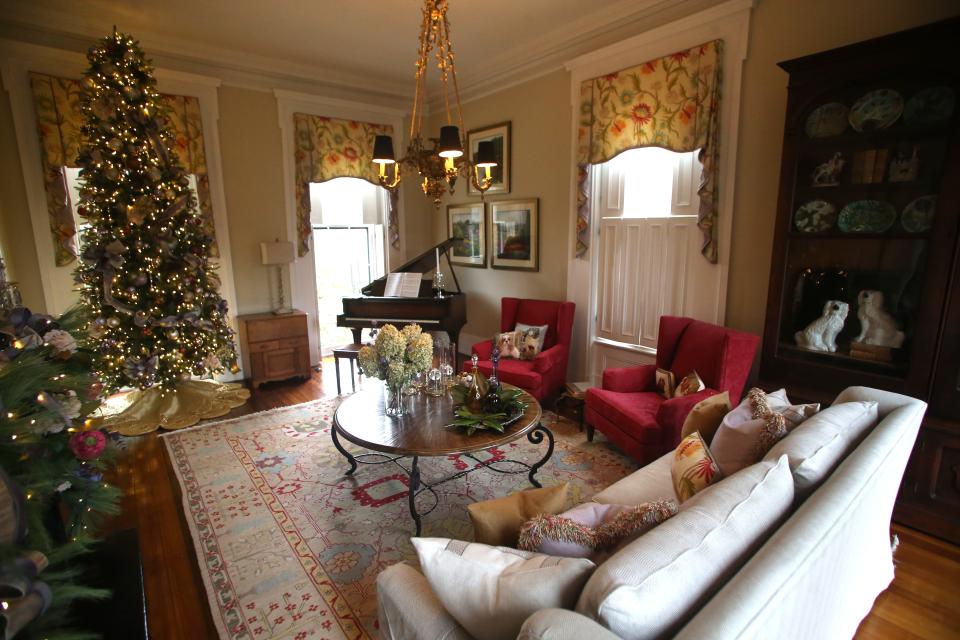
278, 253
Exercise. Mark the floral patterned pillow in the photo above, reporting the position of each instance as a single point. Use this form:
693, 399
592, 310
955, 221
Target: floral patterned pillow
693, 468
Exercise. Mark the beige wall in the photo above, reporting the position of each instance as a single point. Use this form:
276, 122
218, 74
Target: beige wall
781, 30
540, 115
16, 231
250, 147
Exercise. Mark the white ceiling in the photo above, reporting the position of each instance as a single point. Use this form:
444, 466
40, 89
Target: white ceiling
365, 46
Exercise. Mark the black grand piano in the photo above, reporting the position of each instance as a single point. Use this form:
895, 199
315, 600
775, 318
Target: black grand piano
373, 309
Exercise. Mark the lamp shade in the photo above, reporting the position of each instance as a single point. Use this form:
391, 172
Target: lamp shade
450, 146
383, 150
276, 252
486, 156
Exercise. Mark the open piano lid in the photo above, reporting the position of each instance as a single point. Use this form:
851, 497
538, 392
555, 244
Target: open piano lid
423, 263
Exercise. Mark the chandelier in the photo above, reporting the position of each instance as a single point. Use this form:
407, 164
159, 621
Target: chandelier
444, 161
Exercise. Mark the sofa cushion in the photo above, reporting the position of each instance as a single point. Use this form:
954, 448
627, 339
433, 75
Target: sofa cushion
739, 441
693, 468
644, 485
820, 443
706, 416
634, 413
591, 530
490, 591
657, 582
498, 521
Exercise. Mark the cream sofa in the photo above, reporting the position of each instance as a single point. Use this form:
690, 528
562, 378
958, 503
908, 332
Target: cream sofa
814, 573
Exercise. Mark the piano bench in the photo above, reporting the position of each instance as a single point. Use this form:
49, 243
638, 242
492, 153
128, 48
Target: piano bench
352, 353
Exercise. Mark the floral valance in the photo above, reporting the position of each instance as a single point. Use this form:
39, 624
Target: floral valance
328, 148
57, 104
672, 102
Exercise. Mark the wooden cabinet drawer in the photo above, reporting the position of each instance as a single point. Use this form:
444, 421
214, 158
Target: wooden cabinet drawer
276, 327
260, 347
292, 343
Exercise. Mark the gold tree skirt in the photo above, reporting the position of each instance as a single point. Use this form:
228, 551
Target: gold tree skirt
194, 400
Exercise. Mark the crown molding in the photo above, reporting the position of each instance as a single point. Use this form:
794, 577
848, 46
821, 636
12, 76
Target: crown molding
235, 68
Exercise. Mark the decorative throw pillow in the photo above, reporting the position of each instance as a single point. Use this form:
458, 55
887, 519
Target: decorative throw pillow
591, 528
748, 432
690, 384
706, 416
530, 339
498, 521
665, 383
490, 591
507, 343
693, 468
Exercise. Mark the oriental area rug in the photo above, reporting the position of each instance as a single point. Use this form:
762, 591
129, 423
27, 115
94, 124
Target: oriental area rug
290, 547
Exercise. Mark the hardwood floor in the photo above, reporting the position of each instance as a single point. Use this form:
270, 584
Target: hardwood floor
922, 602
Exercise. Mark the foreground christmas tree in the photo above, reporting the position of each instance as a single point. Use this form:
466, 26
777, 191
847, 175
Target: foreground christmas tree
52, 460
146, 277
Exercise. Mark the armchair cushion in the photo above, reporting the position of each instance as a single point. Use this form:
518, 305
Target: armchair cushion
628, 379
633, 413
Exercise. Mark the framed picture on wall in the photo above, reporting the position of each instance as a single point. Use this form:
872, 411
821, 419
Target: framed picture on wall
467, 225
499, 134
515, 235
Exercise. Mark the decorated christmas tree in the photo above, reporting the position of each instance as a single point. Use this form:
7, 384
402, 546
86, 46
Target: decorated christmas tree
146, 277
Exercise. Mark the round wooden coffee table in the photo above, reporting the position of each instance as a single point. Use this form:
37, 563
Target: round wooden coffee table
422, 432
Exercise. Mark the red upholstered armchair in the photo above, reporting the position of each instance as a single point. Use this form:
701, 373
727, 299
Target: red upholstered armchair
629, 411
544, 375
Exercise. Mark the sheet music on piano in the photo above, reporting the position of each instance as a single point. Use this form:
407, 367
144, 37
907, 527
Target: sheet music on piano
403, 285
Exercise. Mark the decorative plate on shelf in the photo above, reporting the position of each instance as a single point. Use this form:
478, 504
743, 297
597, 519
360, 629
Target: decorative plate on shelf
917, 216
876, 110
814, 216
932, 105
827, 120
867, 216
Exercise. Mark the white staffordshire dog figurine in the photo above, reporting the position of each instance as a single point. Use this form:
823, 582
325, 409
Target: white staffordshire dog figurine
821, 334
877, 326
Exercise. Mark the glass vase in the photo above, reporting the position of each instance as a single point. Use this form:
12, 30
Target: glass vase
394, 402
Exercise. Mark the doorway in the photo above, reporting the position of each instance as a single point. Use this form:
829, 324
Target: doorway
349, 249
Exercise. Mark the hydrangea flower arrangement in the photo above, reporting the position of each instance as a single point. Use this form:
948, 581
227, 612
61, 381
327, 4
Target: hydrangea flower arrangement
397, 355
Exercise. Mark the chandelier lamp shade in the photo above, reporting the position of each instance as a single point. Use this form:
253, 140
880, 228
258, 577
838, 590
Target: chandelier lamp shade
440, 163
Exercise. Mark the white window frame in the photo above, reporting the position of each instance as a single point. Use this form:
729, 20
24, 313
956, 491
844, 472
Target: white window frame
18, 60
730, 22
301, 277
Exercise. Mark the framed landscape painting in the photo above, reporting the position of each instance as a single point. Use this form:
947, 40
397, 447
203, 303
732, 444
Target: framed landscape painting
467, 226
515, 235
499, 134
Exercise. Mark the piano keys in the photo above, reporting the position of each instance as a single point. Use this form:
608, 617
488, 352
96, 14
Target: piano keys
373, 309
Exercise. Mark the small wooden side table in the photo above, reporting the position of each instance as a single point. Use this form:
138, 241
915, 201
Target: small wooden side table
352, 353
574, 395
275, 347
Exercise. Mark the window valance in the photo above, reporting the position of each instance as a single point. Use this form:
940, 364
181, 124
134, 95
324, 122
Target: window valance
57, 105
328, 148
671, 102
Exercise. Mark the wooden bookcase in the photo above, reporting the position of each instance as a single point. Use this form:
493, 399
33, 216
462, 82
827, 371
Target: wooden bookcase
914, 261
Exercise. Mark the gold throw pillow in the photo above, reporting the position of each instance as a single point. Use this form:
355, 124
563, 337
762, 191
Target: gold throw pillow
497, 522
706, 416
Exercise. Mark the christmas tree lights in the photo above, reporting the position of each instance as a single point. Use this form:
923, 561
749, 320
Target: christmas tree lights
145, 276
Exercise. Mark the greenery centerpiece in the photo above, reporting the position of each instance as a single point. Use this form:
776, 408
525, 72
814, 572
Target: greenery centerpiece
395, 357
499, 408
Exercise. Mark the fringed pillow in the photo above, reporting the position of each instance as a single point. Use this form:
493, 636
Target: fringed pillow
590, 529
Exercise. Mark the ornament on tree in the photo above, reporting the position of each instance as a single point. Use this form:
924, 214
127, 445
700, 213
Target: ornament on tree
88, 445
